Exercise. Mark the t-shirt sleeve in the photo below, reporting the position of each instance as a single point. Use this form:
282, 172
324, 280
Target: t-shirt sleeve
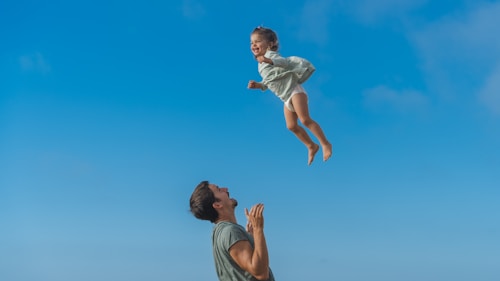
233, 234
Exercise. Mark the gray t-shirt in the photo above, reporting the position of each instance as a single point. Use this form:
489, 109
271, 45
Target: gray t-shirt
225, 235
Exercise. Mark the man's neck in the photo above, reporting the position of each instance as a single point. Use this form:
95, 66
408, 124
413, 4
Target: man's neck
229, 218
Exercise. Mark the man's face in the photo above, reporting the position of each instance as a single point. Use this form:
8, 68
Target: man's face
222, 195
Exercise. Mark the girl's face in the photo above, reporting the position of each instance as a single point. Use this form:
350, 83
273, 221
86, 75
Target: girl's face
258, 45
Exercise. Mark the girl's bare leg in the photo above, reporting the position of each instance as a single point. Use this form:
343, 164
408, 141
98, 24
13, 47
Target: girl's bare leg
299, 102
292, 125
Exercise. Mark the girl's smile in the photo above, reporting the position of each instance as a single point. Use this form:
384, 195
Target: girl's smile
258, 45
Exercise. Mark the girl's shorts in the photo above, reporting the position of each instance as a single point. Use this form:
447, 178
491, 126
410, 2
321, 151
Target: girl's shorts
297, 90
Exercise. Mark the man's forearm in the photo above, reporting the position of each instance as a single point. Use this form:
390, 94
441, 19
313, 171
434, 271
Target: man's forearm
260, 257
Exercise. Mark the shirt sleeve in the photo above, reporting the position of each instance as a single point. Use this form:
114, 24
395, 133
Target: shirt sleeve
232, 235
278, 60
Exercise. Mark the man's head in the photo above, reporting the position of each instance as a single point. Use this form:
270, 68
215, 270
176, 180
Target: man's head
208, 202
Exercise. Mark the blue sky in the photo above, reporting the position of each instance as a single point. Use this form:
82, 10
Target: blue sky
111, 112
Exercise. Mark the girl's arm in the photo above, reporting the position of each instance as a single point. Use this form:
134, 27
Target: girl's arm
275, 60
256, 85
262, 59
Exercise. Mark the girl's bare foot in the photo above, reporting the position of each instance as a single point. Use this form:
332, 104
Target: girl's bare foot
312, 152
327, 151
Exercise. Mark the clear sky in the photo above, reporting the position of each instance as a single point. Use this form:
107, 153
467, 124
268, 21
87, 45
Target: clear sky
111, 112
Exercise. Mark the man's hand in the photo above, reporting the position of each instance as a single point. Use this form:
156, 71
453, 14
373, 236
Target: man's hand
255, 218
249, 226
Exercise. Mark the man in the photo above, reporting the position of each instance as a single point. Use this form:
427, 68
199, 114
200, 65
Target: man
239, 254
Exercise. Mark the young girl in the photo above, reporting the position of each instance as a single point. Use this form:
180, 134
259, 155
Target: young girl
284, 76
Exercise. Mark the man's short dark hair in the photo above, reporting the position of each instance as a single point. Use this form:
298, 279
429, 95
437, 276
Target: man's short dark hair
201, 203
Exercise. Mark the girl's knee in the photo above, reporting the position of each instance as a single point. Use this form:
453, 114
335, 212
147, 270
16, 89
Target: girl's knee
292, 126
307, 122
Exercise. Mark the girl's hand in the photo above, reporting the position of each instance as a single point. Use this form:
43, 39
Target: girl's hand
254, 85
262, 59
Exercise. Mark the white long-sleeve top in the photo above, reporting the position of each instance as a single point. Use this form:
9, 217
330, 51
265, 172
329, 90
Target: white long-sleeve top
284, 74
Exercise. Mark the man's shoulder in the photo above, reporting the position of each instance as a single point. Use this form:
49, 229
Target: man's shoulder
225, 234
226, 226
231, 230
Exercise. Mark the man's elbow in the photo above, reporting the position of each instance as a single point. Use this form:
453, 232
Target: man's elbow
262, 276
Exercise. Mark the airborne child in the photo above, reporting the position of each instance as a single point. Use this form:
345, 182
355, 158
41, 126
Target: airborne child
284, 76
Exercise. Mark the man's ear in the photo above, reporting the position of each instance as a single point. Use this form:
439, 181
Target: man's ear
217, 205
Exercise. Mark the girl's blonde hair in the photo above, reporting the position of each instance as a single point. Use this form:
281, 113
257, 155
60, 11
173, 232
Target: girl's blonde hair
268, 35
